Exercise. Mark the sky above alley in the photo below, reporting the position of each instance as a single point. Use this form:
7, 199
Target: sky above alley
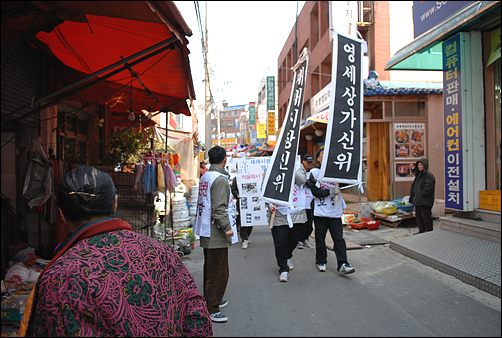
245, 39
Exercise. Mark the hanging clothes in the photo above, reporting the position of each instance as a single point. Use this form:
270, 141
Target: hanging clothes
38, 181
160, 178
170, 177
138, 180
150, 178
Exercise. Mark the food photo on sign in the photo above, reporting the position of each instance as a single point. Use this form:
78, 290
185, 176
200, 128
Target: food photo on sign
404, 171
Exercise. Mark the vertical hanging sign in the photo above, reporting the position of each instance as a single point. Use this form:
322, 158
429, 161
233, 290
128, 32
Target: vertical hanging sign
252, 114
343, 149
270, 93
452, 80
280, 175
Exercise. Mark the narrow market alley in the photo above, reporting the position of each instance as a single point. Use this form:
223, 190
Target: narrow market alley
388, 295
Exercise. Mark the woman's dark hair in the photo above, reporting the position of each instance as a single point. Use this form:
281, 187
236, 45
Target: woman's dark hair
86, 192
216, 154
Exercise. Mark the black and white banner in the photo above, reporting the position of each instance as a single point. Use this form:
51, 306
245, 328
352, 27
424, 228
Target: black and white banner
280, 175
342, 160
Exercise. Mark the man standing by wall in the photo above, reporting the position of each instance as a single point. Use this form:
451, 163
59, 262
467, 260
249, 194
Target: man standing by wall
422, 195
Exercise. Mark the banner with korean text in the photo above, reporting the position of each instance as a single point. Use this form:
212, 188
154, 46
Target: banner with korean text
342, 161
253, 211
279, 179
454, 162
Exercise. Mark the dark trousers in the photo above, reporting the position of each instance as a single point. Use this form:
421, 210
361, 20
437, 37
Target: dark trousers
423, 214
285, 241
245, 232
308, 224
216, 275
335, 227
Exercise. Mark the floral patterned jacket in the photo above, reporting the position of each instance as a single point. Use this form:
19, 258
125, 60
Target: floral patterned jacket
119, 283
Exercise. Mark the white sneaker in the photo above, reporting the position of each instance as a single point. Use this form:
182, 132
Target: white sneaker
321, 267
290, 264
245, 244
346, 268
283, 277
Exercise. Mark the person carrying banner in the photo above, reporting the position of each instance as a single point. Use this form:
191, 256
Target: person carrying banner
245, 232
215, 224
106, 280
307, 165
328, 211
288, 226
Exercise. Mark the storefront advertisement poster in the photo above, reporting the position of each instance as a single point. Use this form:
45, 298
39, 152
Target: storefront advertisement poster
409, 141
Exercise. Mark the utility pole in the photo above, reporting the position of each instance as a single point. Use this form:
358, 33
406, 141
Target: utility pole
207, 90
218, 126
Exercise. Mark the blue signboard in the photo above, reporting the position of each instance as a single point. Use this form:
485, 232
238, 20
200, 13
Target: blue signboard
452, 79
428, 14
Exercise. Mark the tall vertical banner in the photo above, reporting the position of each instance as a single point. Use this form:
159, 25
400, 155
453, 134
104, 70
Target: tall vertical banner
342, 160
464, 125
454, 162
279, 179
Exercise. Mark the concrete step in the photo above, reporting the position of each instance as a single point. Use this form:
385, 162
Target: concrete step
473, 260
476, 228
488, 216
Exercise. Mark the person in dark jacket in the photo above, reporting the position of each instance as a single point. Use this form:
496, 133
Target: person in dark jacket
422, 195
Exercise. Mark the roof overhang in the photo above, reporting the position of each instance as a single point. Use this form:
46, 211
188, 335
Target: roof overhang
90, 36
425, 52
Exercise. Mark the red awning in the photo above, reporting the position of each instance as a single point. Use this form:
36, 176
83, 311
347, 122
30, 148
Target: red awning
97, 34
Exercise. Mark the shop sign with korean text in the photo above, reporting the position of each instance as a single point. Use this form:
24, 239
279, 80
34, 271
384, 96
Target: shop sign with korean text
252, 113
453, 124
343, 149
463, 103
279, 179
270, 93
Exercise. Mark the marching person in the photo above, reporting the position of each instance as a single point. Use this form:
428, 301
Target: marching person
245, 232
215, 224
288, 225
328, 211
107, 280
307, 165
422, 195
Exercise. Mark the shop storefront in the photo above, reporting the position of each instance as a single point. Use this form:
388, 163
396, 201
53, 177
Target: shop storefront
468, 41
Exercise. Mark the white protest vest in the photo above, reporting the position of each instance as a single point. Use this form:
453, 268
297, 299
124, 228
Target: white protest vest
298, 204
329, 206
308, 194
203, 216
